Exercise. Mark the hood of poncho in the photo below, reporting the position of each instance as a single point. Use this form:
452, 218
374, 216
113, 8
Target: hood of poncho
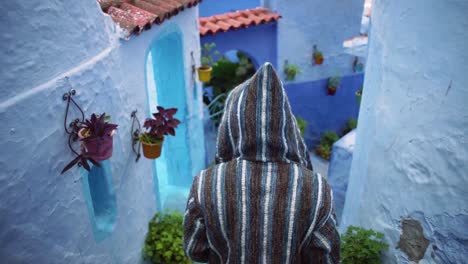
258, 125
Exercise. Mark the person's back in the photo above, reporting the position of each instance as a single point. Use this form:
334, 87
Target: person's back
261, 202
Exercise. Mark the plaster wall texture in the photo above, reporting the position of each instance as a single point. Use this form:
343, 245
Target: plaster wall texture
259, 42
323, 23
45, 215
411, 153
339, 168
215, 7
310, 101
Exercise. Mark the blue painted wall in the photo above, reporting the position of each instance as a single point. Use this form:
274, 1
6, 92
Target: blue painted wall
339, 168
214, 7
45, 216
310, 101
259, 42
324, 23
411, 153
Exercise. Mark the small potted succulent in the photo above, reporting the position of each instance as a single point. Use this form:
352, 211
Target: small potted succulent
359, 95
207, 53
96, 136
318, 56
333, 84
291, 70
162, 124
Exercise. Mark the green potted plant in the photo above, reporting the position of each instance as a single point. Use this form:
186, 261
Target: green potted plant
291, 70
164, 240
302, 124
333, 84
96, 136
324, 149
359, 245
359, 95
207, 53
318, 56
350, 125
162, 124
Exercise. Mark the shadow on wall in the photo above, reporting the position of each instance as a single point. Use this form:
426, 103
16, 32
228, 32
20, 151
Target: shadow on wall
323, 112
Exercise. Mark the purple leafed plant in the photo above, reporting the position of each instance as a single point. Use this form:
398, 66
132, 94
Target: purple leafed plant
97, 127
93, 129
162, 124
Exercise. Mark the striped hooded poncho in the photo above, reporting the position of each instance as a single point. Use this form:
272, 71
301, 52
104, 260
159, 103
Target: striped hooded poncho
261, 202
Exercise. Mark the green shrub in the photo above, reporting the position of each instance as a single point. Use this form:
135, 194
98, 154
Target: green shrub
302, 124
325, 147
324, 151
226, 76
350, 125
362, 246
164, 241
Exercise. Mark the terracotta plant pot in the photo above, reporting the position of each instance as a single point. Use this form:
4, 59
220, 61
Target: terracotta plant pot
331, 90
98, 148
152, 151
204, 73
318, 60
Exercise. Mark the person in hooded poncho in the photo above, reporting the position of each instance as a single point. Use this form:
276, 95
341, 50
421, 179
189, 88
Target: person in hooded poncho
261, 202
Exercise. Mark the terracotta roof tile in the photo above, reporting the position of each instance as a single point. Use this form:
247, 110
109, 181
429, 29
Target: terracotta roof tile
138, 15
235, 20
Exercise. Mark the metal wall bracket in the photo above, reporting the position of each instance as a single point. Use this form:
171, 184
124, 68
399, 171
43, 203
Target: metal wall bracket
135, 133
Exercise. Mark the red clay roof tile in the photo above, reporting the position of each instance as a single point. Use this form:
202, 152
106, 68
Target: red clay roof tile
235, 20
138, 15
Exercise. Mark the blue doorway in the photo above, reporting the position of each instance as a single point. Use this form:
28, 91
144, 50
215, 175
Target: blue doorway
166, 88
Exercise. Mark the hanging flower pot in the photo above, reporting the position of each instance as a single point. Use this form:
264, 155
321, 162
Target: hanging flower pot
207, 53
318, 56
162, 124
96, 137
98, 148
331, 90
151, 150
333, 84
204, 73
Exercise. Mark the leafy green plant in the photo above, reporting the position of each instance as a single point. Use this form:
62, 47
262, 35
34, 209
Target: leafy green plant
207, 54
226, 76
164, 241
291, 70
350, 125
362, 246
325, 147
302, 124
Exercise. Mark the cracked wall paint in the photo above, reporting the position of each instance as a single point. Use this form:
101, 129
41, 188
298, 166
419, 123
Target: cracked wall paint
411, 154
44, 214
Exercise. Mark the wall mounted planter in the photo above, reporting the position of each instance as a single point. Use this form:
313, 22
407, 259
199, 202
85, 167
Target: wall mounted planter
204, 73
317, 56
97, 148
161, 125
95, 134
333, 84
152, 151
